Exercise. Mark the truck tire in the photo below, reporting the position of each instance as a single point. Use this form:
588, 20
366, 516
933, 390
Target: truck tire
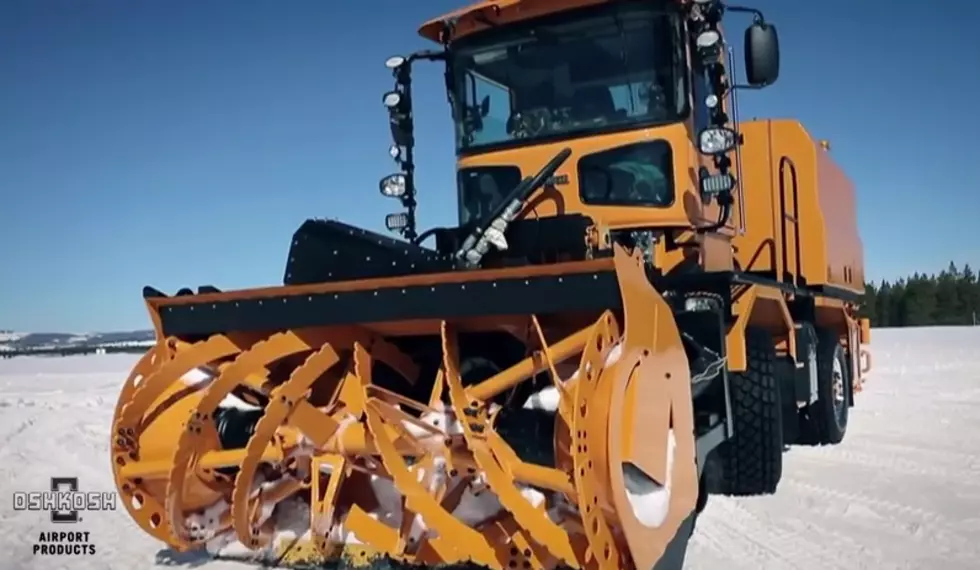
751, 462
824, 421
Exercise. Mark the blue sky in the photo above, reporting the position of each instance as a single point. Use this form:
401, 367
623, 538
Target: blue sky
180, 143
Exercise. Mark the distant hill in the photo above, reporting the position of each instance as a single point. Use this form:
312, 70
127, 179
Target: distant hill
51, 341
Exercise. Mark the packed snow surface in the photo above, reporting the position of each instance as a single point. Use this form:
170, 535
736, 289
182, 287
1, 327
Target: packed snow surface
901, 492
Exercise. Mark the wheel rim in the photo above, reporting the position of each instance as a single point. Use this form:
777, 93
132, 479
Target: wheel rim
838, 393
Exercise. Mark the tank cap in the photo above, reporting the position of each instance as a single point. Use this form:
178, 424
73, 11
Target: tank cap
825, 144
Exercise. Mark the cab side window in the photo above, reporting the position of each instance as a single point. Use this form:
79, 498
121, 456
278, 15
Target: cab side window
639, 174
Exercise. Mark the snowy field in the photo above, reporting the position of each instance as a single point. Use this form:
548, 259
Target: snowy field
901, 492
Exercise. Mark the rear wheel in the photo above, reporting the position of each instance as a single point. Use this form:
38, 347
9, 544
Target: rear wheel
824, 421
751, 462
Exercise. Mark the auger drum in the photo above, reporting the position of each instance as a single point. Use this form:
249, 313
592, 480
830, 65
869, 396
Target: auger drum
225, 438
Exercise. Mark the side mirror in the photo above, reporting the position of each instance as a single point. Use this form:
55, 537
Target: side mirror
761, 54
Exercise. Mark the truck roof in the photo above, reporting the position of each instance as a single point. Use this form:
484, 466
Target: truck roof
468, 19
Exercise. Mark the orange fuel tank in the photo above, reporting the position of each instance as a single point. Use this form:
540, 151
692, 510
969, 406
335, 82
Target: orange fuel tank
803, 229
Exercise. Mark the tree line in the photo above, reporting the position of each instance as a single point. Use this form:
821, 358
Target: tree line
950, 298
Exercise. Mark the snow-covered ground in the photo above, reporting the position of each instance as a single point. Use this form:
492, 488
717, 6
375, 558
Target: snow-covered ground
902, 491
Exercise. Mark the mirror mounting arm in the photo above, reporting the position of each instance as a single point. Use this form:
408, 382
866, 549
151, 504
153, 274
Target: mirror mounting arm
403, 130
746, 86
428, 55
757, 15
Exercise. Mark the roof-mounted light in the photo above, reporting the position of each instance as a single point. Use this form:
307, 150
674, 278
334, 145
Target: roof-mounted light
394, 62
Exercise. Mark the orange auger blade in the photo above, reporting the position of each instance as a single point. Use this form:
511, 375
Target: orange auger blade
188, 447
397, 447
474, 425
283, 400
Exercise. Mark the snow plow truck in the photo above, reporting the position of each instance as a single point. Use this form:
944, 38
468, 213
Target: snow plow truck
645, 301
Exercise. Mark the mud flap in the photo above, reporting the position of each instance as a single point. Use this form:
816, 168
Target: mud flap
676, 551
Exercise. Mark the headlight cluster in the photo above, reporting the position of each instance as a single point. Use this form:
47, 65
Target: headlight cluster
716, 140
393, 185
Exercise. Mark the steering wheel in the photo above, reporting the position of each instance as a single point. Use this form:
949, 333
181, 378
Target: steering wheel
530, 122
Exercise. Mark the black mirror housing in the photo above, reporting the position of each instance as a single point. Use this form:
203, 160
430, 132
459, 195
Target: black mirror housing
761, 54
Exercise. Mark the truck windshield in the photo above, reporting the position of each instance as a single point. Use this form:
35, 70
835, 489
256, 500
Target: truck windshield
591, 70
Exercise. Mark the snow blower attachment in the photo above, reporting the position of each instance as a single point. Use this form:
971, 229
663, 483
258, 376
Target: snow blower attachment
563, 378
413, 449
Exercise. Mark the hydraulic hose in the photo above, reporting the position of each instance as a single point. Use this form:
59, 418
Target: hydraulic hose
517, 195
723, 217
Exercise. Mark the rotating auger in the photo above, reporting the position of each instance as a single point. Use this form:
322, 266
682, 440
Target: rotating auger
220, 440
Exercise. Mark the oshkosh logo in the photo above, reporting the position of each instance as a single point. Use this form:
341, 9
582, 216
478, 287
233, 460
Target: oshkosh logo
557, 180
